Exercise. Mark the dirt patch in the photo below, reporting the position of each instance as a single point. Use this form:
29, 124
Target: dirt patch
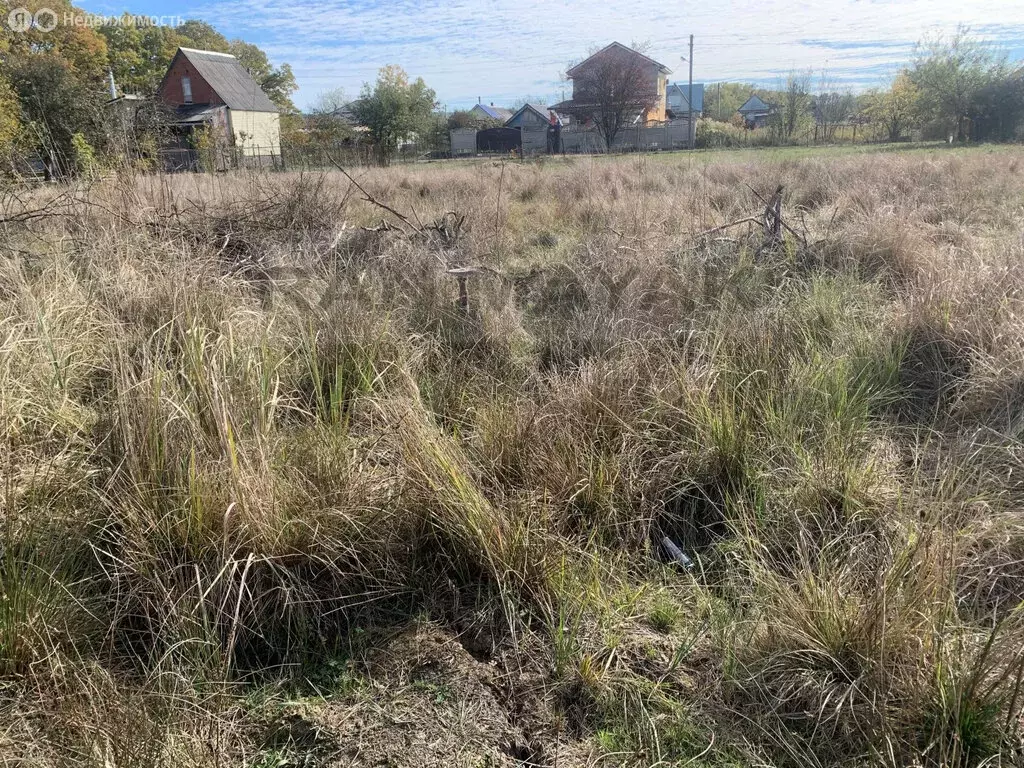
428, 701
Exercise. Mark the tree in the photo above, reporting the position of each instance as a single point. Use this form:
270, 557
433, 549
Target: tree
393, 110
277, 82
81, 48
462, 118
998, 109
896, 108
434, 137
614, 90
56, 106
199, 34
795, 105
832, 108
721, 100
139, 55
330, 101
325, 124
949, 74
10, 109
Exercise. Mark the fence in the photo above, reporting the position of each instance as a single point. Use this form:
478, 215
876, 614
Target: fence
220, 158
676, 134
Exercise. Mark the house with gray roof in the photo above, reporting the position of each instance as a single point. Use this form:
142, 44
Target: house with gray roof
677, 101
209, 89
529, 116
755, 111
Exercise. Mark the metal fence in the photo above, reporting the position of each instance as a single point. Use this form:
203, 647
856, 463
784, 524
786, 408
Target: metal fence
220, 158
676, 134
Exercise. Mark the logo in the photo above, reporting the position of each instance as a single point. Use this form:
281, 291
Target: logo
46, 20
22, 20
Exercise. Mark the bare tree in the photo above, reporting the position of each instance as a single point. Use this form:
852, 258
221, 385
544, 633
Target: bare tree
328, 122
614, 89
330, 101
832, 108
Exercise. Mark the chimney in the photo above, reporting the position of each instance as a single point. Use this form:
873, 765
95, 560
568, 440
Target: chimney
113, 88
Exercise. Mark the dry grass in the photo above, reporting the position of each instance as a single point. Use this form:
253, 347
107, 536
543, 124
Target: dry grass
249, 448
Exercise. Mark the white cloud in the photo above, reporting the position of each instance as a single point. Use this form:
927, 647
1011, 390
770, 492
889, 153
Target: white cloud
504, 49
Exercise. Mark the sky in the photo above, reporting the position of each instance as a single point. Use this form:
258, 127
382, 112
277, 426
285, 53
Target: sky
502, 51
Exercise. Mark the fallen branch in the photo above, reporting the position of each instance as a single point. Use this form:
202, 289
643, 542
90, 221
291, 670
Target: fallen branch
747, 220
448, 227
374, 201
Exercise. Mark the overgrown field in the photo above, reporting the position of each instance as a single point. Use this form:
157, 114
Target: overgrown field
271, 497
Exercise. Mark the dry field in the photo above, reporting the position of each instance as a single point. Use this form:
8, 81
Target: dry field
271, 497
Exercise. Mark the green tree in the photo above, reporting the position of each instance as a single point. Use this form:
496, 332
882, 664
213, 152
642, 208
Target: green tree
277, 82
998, 109
721, 100
10, 114
462, 118
139, 56
950, 74
56, 105
81, 48
393, 110
199, 34
896, 108
794, 111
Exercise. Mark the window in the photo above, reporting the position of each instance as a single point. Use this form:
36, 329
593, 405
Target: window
186, 89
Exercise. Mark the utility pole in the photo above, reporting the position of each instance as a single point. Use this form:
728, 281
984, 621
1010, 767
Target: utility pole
689, 102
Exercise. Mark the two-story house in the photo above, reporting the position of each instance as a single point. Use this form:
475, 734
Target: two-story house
211, 89
615, 77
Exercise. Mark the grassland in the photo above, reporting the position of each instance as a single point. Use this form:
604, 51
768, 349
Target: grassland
271, 497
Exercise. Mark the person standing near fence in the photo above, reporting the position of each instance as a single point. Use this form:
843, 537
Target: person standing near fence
554, 133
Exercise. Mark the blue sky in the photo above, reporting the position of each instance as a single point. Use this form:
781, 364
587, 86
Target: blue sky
504, 50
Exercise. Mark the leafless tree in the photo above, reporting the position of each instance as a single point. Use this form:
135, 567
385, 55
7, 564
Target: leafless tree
832, 108
614, 89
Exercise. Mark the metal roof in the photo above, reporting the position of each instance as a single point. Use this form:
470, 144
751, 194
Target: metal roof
661, 67
498, 113
683, 89
539, 109
229, 80
753, 104
193, 114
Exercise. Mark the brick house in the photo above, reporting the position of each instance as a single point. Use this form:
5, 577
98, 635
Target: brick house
211, 89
